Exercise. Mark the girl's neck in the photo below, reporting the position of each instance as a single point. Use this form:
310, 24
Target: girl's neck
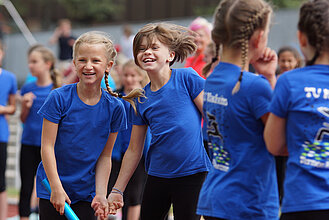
232, 56
323, 59
44, 79
90, 95
159, 79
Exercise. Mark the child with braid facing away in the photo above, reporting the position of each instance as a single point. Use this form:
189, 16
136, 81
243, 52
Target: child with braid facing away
80, 125
242, 182
299, 120
176, 161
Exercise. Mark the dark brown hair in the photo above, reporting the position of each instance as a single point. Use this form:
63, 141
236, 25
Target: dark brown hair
48, 56
98, 37
235, 21
177, 38
314, 22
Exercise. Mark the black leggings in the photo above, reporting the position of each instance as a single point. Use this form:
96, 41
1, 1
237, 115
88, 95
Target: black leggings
182, 192
3, 163
30, 158
82, 209
212, 218
306, 215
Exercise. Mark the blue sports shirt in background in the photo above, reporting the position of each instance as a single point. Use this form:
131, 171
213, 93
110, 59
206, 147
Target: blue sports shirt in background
301, 96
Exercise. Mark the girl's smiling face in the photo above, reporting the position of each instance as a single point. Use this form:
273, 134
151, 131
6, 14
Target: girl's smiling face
91, 62
287, 61
154, 56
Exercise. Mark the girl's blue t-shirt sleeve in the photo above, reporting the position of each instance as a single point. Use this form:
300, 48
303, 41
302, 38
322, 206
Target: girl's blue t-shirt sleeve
260, 96
280, 101
51, 108
195, 83
136, 118
119, 119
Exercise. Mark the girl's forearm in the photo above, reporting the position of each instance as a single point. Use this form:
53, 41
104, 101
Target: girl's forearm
103, 169
50, 166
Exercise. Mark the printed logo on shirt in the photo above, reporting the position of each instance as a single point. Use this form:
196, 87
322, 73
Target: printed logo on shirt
215, 99
316, 92
220, 156
316, 154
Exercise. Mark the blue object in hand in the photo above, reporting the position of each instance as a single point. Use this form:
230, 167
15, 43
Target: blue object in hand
68, 212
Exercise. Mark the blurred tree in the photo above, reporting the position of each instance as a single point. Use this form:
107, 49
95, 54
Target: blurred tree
94, 11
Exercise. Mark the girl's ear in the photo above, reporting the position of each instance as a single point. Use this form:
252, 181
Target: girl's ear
256, 38
171, 56
49, 64
109, 66
302, 39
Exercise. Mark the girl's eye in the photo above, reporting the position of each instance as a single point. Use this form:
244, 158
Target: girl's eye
81, 60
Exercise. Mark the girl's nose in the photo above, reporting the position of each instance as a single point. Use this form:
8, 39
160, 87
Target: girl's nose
88, 65
147, 51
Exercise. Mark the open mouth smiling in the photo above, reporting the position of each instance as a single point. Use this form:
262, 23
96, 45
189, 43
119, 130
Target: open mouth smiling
148, 60
89, 74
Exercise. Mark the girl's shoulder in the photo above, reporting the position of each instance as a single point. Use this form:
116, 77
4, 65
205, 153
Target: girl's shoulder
111, 99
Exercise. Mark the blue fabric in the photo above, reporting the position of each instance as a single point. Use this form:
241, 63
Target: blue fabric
82, 134
302, 98
30, 78
242, 182
33, 124
111, 83
8, 86
123, 139
175, 122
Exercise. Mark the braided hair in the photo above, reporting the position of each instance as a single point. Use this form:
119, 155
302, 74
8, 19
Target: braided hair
235, 21
314, 22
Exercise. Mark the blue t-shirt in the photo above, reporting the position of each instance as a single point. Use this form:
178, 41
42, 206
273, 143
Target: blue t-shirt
175, 122
33, 124
302, 98
8, 86
242, 182
82, 134
123, 138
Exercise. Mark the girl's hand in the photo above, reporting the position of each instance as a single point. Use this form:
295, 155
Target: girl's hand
100, 206
266, 65
28, 99
58, 198
115, 202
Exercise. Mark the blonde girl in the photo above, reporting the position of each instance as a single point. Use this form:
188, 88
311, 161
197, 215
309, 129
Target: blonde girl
176, 161
80, 125
41, 63
242, 181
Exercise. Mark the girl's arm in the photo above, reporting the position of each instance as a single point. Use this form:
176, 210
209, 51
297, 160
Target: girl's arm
27, 102
128, 167
10, 108
198, 101
58, 195
275, 135
103, 170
